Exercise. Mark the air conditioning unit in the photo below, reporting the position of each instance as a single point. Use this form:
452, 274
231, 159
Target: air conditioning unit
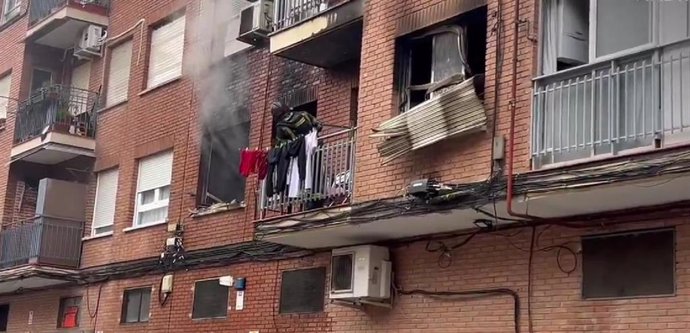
361, 274
90, 42
255, 22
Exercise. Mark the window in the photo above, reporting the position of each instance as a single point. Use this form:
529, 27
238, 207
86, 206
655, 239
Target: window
5, 85
104, 207
432, 59
210, 300
167, 47
118, 74
221, 180
4, 317
153, 189
232, 45
69, 312
136, 304
629, 264
302, 291
11, 9
40, 78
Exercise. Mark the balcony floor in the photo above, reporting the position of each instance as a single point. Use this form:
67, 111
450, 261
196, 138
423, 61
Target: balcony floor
61, 28
54, 149
32, 277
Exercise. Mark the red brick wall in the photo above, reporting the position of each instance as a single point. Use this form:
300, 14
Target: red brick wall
456, 160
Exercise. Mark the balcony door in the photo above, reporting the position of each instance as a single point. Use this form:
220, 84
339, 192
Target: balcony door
40, 78
80, 89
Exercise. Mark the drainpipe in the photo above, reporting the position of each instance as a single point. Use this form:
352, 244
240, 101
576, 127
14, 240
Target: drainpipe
513, 108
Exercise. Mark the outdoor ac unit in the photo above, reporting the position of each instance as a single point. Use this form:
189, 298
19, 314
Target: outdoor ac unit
360, 274
255, 22
90, 42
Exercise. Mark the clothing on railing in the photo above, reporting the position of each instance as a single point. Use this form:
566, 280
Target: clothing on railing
311, 142
253, 162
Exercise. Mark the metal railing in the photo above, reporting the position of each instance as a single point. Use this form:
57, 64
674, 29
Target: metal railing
56, 108
332, 167
42, 240
291, 12
636, 101
40, 9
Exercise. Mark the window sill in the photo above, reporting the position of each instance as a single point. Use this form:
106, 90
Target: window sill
217, 209
138, 227
201, 320
160, 85
103, 235
110, 107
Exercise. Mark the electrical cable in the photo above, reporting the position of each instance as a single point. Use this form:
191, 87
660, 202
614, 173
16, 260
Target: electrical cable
529, 280
88, 302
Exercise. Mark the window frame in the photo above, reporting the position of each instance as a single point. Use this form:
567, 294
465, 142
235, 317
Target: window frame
194, 298
322, 270
149, 83
9, 13
157, 203
110, 226
61, 310
140, 292
5, 100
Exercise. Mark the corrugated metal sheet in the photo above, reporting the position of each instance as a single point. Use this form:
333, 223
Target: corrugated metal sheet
455, 112
435, 14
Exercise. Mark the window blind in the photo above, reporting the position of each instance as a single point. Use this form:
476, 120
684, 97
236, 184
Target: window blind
167, 47
118, 73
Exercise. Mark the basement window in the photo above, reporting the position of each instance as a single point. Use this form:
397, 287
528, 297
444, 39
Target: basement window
630, 264
435, 58
210, 300
69, 312
221, 181
302, 291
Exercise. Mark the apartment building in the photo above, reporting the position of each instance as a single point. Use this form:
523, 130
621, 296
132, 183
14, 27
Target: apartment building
483, 166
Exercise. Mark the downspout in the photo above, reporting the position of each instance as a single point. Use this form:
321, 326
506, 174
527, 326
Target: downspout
513, 108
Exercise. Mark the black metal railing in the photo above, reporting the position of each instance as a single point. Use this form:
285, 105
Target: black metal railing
57, 108
43, 241
40, 9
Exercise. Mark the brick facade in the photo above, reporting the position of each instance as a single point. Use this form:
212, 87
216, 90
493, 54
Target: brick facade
172, 116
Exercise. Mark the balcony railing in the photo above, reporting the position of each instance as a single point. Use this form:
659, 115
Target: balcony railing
291, 12
43, 241
641, 100
333, 179
57, 108
40, 9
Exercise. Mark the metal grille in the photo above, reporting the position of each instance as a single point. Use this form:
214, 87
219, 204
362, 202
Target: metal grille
40, 9
42, 240
333, 167
606, 108
291, 12
57, 108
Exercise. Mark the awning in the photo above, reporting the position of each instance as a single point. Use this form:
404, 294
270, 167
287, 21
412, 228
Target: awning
454, 112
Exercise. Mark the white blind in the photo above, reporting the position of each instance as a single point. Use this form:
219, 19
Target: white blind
106, 194
5, 84
167, 47
118, 73
155, 171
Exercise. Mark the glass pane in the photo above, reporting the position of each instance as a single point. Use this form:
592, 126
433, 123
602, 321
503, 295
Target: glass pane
153, 216
133, 299
102, 230
145, 305
447, 60
622, 24
147, 197
165, 193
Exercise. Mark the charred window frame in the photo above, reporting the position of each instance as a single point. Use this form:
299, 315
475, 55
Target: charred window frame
631, 264
444, 54
221, 181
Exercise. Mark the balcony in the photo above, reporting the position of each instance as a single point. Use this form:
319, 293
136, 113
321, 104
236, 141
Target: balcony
630, 104
322, 33
44, 251
55, 124
333, 181
57, 23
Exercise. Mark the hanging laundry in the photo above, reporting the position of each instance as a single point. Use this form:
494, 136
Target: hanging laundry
248, 162
311, 142
262, 164
298, 161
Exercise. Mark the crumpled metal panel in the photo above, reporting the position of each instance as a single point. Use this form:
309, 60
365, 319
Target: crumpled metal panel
456, 111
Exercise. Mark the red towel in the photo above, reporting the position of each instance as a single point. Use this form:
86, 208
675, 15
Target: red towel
248, 162
262, 164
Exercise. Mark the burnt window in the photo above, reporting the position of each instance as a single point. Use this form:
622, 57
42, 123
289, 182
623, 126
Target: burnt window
4, 317
440, 56
69, 312
136, 304
221, 180
628, 264
210, 300
302, 291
